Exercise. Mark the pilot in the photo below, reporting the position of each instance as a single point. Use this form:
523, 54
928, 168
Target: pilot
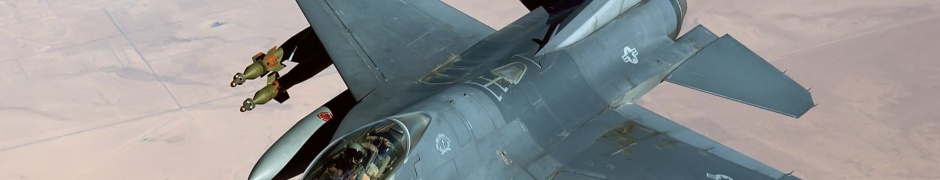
382, 144
353, 160
346, 163
383, 140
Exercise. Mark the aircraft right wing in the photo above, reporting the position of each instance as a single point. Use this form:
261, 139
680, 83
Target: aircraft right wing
373, 42
636, 143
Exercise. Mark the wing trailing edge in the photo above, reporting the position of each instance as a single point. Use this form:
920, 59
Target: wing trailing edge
728, 69
636, 143
656, 122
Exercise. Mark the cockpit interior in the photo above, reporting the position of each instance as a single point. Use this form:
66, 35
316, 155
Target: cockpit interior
371, 152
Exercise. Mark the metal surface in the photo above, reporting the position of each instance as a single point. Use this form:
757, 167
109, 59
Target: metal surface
497, 109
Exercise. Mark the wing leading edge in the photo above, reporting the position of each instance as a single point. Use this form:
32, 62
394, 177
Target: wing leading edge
639, 144
376, 42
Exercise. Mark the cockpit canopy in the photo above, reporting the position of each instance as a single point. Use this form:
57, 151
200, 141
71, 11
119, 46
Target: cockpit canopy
370, 152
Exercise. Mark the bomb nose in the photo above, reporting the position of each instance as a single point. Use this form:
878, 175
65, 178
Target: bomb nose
247, 105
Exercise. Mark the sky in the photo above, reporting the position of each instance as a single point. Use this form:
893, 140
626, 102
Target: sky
138, 89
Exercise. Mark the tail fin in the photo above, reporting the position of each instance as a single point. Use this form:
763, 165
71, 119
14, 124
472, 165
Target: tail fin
273, 77
728, 69
282, 91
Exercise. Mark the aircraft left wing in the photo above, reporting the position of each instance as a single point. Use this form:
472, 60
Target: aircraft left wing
631, 142
378, 42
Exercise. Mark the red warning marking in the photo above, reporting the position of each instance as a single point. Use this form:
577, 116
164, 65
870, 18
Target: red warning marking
325, 116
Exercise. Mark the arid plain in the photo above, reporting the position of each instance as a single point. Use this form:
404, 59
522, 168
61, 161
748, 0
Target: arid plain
138, 89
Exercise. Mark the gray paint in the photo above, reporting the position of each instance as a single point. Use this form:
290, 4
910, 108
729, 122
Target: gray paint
596, 14
509, 113
284, 148
718, 70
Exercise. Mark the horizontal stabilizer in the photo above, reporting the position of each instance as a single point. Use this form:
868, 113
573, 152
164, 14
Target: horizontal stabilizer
728, 69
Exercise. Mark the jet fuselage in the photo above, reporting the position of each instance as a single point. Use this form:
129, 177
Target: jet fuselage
500, 109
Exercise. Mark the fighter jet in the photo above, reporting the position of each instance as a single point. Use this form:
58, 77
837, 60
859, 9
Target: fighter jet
435, 94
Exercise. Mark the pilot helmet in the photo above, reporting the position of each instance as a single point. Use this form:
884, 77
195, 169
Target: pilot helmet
355, 153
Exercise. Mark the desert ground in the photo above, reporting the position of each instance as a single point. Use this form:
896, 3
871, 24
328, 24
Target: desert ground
138, 89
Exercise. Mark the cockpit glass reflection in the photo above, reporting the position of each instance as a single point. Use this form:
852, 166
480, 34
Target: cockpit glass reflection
371, 152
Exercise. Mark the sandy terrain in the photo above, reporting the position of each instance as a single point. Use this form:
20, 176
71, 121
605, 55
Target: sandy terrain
118, 89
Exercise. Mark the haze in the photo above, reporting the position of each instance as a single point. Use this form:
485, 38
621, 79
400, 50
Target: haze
119, 89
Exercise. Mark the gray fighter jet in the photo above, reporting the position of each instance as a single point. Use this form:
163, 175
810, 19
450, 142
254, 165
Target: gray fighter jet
435, 94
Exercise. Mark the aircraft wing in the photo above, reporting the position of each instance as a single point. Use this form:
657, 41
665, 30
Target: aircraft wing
377, 42
632, 142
